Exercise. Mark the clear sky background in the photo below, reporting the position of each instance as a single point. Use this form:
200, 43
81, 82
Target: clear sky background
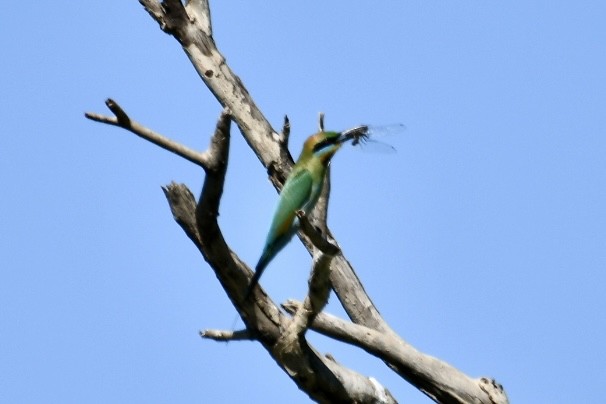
482, 241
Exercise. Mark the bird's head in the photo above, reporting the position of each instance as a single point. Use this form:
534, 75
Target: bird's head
322, 145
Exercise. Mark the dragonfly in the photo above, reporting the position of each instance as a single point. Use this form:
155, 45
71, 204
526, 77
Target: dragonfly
365, 136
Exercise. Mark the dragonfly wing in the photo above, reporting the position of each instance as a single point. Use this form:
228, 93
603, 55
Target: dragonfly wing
366, 136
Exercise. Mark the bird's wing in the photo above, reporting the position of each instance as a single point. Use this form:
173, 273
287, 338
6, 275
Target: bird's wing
294, 195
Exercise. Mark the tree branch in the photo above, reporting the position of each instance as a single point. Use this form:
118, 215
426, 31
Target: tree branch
201, 12
226, 336
285, 134
436, 378
319, 289
122, 120
192, 33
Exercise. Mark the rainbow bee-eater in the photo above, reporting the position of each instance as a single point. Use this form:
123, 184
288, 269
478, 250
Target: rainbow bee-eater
300, 193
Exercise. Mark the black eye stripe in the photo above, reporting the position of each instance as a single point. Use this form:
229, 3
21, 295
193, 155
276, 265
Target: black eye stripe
321, 145
326, 142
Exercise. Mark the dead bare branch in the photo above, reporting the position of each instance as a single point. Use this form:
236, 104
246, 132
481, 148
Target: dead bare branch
226, 336
319, 289
439, 380
192, 33
122, 120
201, 12
321, 121
285, 134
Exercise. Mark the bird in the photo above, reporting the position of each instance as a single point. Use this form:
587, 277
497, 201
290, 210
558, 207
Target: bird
301, 192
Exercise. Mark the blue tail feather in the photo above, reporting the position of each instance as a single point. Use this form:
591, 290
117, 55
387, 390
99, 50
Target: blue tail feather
261, 265
269, 252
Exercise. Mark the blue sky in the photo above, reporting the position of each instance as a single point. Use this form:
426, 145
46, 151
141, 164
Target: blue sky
482, 241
